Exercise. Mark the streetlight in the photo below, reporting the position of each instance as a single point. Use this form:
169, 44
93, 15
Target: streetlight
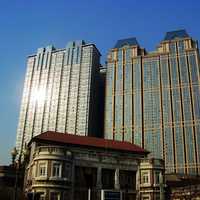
18, 166
13, 154
15, 166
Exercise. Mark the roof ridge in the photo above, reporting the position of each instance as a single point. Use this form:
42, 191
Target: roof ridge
89, 141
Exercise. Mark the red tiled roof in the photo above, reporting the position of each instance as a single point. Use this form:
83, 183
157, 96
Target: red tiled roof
89, 142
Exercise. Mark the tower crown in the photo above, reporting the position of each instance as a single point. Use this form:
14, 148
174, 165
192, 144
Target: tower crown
128, 41
176, 34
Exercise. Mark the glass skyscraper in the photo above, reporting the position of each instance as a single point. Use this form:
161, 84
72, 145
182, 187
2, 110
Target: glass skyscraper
60, 92
153, 99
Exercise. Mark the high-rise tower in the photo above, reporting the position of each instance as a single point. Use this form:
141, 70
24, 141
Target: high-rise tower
153, 99
60, 92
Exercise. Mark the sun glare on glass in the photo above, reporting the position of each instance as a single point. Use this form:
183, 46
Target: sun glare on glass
38, 95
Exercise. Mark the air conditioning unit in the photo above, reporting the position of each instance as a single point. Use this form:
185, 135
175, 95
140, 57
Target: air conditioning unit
111, 195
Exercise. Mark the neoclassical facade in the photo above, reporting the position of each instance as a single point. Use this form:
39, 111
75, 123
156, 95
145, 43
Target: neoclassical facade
64, 166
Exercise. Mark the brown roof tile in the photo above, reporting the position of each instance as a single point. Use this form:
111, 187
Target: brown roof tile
89, 142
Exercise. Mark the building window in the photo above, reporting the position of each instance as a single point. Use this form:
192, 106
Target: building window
42, 169
158, 197
145, 198
56, 169
68, 170
145, 177
54, 196
157, 177
41, 195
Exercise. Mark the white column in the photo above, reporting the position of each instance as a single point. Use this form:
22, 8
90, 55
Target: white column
161, 186
138, 183
117, 184
99, 183
138, 180
89, 194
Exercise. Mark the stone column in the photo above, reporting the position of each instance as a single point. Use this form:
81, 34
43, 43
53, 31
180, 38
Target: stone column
138, 182
72, 181
117, 184
161, 186
99, 183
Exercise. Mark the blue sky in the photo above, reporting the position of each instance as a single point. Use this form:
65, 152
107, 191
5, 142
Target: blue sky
26, 25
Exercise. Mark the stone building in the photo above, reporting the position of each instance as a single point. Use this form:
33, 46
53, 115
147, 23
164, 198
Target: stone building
151, 180
65, 166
